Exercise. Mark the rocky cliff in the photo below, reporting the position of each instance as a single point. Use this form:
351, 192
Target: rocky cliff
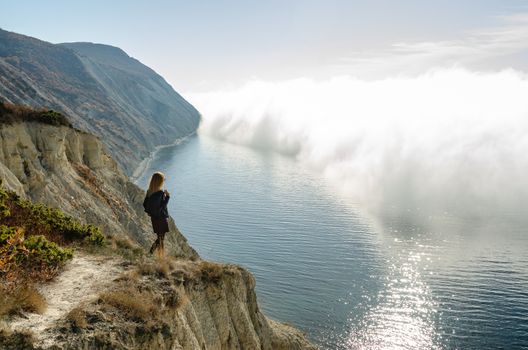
69, 169
102, 90
163, 304
204, 306
107, 302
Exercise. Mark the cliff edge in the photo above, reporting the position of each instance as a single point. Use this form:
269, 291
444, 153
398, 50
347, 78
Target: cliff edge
109, 298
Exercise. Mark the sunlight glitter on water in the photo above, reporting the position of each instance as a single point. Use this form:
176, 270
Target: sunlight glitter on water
404, 315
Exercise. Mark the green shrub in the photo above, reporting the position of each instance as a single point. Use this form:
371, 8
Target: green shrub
4, 208
71, 229
51, 222
4, 211
51, 117
30, 235
35, 250
30, 239
42, 251
94, 235
6, 233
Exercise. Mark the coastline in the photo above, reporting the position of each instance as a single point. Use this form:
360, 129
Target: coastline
143, 166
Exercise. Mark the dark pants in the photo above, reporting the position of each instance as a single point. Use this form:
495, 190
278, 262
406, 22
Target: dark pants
160, 226
158, 243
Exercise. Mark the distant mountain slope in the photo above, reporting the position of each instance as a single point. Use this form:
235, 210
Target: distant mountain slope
101, 89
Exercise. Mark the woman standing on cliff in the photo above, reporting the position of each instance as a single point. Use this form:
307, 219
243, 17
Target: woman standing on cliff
155, 205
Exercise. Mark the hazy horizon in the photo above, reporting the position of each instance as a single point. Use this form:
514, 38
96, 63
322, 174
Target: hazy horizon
205, 46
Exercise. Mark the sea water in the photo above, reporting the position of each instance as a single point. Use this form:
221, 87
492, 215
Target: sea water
348, 278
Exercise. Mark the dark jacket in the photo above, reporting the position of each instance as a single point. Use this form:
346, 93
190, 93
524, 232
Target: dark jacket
156, 205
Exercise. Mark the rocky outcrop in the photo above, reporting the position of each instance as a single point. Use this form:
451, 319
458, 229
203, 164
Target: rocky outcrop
101, 89
71, 170
188, 306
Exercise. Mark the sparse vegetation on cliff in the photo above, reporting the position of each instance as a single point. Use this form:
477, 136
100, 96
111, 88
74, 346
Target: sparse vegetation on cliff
32, 249
52, 223
10, 113
160, 302
29, 252
22, 298
134, 304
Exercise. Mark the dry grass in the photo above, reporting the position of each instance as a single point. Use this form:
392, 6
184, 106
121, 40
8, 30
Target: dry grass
210, 272
122, 243
131, 276
181, 271
145, 267
124, 247
25, 298
176, 299
140, 294
157, 287
135, 305
10, 340
163, 267
160, 267
77, 318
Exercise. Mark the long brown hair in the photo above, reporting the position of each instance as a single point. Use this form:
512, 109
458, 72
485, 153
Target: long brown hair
156, 183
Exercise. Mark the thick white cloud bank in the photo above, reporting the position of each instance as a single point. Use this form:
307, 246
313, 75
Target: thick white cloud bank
450, 139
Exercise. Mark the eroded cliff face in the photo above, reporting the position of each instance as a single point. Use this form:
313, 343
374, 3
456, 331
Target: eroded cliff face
189, 305
71, 170
217, 310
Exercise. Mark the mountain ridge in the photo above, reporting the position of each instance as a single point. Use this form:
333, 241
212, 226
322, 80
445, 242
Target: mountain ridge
131, 107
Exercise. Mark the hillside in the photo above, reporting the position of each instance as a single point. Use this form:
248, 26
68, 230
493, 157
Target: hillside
103, 91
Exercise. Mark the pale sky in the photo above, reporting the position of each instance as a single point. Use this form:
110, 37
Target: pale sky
207, 45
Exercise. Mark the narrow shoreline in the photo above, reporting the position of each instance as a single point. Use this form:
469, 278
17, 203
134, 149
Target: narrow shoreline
143, 166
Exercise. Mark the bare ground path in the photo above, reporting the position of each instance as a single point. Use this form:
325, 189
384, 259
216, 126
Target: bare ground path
82, 280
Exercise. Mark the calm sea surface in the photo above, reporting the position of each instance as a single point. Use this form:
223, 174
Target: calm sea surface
349, 280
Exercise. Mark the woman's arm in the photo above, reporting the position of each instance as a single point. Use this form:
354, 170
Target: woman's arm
166, 197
